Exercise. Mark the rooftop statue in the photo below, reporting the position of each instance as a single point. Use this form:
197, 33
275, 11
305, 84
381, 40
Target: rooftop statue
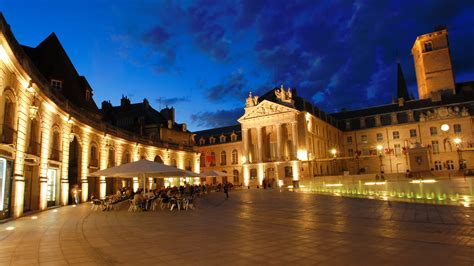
251, 100
284, 96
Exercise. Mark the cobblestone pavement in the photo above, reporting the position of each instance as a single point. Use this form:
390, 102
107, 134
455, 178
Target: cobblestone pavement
252, 227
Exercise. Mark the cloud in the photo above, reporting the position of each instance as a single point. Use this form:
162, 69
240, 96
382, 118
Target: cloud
172, 100
219, 118
232, 87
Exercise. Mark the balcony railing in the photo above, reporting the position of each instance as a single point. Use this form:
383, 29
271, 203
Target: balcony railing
34, 148
55, 155
9, 134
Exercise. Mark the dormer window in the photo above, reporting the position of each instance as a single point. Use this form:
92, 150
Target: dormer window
56, 84
88, 95
222, 139
212, 140
202, 141
233, 137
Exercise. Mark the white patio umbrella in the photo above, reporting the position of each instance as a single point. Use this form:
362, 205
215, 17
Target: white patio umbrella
215, 173
144, 168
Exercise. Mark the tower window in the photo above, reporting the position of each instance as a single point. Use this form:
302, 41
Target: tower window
428, 46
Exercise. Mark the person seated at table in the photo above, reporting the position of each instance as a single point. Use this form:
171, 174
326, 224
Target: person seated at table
138, 199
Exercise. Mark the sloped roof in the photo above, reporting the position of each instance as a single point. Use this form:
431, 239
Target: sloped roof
217, 132
52, 61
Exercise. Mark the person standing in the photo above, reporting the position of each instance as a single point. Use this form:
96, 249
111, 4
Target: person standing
75, 193
226, 190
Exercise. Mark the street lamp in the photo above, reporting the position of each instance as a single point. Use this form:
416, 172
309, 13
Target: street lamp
445, 127
380, 149
334, 154
458, 141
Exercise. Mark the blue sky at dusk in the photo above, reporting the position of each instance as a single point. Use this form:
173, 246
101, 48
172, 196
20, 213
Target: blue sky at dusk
203, 57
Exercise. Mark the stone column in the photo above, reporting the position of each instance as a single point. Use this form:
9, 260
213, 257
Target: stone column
279, 142
85, 164
294, 132
103, 159
46, 124
246, 142
136, 157
66, 141
260, 144
246, 174
23, 121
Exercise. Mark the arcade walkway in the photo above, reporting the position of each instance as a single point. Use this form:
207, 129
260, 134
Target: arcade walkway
253, 227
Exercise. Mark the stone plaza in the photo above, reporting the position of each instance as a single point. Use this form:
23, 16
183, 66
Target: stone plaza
252, 227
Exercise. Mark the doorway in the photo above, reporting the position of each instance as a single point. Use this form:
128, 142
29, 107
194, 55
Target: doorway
73, 170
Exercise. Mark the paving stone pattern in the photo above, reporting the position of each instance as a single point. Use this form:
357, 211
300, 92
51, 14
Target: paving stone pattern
253, 227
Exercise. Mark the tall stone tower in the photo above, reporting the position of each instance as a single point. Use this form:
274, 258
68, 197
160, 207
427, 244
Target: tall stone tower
434, 72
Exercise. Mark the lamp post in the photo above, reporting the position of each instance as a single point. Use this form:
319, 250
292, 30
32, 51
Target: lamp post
334, 155
458, 141
380, 149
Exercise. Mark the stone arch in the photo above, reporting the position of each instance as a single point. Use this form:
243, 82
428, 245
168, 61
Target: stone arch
158, 159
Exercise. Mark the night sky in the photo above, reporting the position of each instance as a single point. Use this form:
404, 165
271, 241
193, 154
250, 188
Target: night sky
203, 57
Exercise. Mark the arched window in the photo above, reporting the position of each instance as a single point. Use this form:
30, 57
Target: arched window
173, 163
202, 160
236, 177
55, 142
188, 165
111, 162
213, 158
34, 145
202, 141
223, 158
222, 138
93, 160
126, 157
9, 121
438, 166
235, 158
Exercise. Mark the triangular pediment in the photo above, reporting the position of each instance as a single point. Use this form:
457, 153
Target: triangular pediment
266, 108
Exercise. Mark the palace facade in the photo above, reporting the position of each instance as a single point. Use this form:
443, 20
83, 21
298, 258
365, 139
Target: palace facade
283, 138
53, 134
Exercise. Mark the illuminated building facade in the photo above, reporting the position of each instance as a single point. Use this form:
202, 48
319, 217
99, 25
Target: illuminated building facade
53, 134
282, 137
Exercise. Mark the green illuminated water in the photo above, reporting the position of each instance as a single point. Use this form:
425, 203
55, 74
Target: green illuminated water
444, 191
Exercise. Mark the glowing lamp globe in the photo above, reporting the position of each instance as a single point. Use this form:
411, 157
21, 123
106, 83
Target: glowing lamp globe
445, 127
457, 140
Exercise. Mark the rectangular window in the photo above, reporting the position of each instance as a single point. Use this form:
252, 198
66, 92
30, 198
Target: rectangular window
379, 136
365, 152
435, 146
412, 133
433, 131
349, 139
350, 152
288, 171
363, 138
396, 135
457, 128
56, 84
397, 149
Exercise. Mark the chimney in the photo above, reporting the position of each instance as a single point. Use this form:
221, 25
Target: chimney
168, 113
106, 105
